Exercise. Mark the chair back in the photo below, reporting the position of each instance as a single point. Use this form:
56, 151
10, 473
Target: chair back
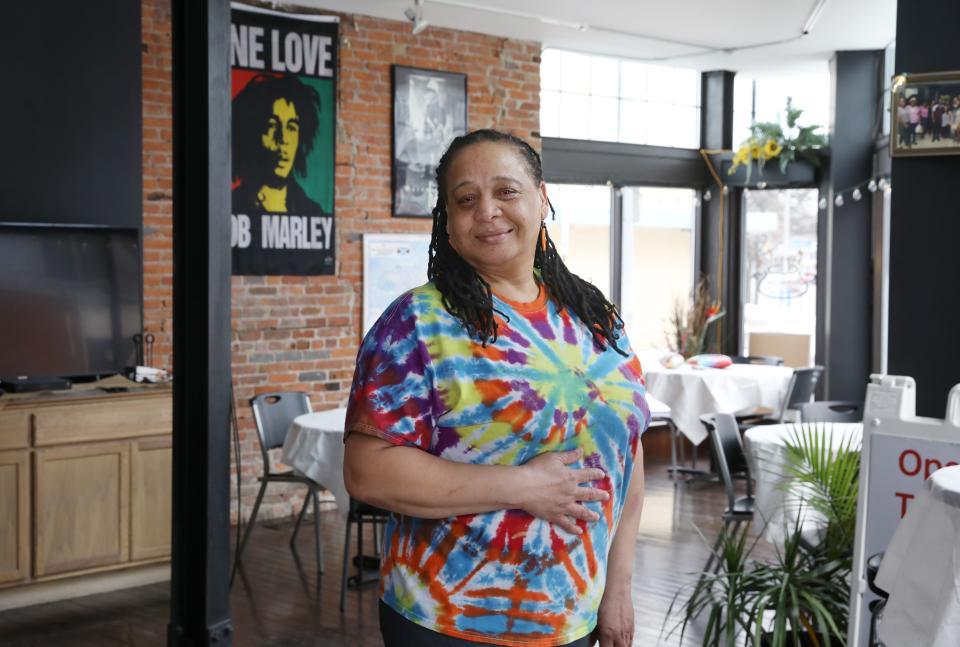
765, 360
832, 411
273, 413
802, 385
728, 451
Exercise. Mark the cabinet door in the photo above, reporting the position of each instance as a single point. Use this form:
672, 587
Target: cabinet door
81, 507
14, 519
151, 476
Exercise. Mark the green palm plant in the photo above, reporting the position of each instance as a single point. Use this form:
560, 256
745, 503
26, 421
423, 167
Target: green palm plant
804, 591
720, 596
800, 598
826, 480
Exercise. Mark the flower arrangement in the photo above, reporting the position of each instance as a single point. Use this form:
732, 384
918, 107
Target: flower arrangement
770, 140
689, 322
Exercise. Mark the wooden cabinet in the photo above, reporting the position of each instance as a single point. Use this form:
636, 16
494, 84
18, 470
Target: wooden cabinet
151, 480
14, 516
85, 484
92, 421
82, 507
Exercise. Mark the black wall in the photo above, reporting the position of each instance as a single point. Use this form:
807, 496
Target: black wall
924, 337
845, 315
71, 112
716, 132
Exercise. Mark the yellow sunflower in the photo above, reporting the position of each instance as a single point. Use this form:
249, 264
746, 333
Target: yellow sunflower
771, 149
742, 156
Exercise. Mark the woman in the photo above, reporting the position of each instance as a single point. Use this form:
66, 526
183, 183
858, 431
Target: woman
498, 411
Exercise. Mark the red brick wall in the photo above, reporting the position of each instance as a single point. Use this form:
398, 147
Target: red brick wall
157, 178
302, 333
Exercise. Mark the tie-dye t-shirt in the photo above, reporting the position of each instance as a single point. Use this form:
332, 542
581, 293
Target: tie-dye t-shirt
501, 577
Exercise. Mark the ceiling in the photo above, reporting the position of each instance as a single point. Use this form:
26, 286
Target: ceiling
700, 34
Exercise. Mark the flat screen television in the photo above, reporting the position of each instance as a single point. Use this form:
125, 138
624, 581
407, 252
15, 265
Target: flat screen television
70, 300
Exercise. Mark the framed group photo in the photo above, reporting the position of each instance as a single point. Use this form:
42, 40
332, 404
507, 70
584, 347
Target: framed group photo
429, 110
925, 114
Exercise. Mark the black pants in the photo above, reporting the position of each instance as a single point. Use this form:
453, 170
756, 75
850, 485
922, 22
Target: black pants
397, 631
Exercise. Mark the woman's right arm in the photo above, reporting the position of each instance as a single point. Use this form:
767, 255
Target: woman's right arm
414, 482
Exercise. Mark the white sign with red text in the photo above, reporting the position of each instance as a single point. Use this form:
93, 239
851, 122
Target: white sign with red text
900, 451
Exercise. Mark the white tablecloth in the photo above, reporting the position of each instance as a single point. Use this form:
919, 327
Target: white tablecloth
773, 503
691, 392
921, 568
314, 447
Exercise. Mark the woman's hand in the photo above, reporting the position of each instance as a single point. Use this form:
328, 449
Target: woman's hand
552, 490
615, 618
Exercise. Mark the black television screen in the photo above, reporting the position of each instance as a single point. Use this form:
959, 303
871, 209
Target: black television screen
70, 300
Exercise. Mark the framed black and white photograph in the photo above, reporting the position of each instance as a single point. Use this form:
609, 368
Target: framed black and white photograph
925, 114
429, 110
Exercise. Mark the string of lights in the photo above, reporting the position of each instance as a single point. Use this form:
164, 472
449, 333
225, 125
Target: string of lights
855, 193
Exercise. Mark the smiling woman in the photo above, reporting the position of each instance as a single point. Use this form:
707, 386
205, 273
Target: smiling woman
494, 218
497, 411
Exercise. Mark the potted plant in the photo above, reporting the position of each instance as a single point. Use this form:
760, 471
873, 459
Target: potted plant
784, 142
800, 598
690, 321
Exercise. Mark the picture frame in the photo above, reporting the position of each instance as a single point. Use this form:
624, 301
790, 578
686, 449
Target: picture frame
925, 114
429, 111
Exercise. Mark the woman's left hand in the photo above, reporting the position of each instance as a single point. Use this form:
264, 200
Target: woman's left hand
615, 618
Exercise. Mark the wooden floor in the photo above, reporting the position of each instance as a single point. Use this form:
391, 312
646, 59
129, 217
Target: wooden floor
278, 601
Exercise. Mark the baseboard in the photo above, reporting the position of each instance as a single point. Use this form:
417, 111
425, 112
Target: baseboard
80, 586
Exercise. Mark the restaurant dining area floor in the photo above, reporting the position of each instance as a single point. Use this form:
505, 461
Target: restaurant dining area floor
278, 598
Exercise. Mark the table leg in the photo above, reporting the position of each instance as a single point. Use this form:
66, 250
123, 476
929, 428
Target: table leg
692, 472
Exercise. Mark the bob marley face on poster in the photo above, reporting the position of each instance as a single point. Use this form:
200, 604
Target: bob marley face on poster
284, 98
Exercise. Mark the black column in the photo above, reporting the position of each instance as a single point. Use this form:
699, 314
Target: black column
925, 226
845, 282
716, 132
199, 606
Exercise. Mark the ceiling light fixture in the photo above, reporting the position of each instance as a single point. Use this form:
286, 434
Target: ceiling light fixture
415, 15
813, 17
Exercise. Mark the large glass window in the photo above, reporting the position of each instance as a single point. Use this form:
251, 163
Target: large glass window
581, 232
609, 99
889, 69
659, 227
765, 99
779, 274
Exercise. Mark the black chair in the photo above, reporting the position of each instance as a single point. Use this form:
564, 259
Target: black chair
367, 568
800, 390
875, 606
765, 360
831, 411
273, 413
730, 459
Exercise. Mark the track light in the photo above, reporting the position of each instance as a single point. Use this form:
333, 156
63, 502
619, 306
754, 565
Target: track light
415, 15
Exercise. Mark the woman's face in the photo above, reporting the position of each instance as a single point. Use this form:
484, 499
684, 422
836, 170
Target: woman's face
494, 209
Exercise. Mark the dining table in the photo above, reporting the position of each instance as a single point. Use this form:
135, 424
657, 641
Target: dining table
777, 504
920, 569
691, 392
314, 447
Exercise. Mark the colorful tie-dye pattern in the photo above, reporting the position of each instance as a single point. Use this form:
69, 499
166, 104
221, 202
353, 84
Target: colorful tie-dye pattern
503, 577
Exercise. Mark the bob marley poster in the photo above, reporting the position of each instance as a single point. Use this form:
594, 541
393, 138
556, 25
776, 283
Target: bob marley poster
284, 98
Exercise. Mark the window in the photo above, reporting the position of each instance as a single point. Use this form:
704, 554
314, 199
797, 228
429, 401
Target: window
581, 232
658, 259
609, 99
779, 274
656, 251
765, 99
889, 69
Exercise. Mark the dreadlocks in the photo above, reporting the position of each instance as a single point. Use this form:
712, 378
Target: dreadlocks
469, 298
